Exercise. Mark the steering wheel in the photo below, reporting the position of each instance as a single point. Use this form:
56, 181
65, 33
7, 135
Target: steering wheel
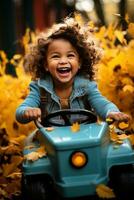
81, 116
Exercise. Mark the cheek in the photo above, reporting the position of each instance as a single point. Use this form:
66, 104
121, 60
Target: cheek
51, 66
75, 69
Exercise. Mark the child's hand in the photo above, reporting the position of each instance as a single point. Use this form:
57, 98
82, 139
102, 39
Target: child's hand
119, 116
32, 114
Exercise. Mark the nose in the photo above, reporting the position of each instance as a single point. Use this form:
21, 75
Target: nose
63, 60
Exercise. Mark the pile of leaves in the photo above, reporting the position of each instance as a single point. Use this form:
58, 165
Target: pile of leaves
115, 80
10, 168
13, 91
116, 70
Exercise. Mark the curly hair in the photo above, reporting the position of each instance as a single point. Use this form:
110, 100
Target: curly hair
81, 37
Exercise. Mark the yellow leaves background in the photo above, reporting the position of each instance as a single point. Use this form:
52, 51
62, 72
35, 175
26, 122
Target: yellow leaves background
13, 91
116, 70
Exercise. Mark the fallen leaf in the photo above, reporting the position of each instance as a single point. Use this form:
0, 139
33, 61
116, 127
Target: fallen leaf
41, 151
35, 155
32, 156
109, 120
122, 136
128, 88
75, 127
10, 168
49, 128
123, 125
104, 191
131, 139
15, 175
10, 149
120, 36
30, 146
18, 140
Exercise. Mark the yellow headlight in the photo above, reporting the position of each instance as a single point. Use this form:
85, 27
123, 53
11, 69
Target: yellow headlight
78, 159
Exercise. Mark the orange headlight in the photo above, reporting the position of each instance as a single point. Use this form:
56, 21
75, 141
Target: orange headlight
78, 159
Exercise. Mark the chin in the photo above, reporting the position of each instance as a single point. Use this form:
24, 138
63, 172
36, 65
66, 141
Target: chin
64, 80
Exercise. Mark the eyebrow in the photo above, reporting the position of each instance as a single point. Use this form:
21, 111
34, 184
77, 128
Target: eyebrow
55, 52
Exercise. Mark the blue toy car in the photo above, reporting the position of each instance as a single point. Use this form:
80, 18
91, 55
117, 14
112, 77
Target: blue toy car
77, 162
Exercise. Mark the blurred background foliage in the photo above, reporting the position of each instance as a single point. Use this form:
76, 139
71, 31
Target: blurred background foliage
18, 15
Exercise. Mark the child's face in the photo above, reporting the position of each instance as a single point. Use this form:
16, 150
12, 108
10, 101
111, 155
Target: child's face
62, 61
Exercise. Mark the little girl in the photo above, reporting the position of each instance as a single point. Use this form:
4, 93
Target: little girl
61, 64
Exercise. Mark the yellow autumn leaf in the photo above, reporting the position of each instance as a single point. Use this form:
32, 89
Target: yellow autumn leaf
17, 56
78, 18
104, 191
119, 142
127, 80
131, 139
75, 127
123, 125
4, 193
35, 155
131, 29
110, 32
33, 37
10, 149
15, 175
109, 120
9, 168
32, 156
30, 146
122, 136
12, 61
120, 36
16, 159
41, 151
113, 134
49, 128
128, 88
91, 24
3, 56
18, 140
127, 18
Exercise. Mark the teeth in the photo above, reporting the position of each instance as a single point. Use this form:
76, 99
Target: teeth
64, 69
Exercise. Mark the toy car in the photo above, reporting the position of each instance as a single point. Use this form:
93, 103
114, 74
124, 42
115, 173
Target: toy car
77, 162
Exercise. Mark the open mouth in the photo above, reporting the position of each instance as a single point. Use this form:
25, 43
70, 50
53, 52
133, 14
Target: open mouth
64, 70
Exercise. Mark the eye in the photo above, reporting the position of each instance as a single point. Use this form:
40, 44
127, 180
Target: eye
71, 55
55, 56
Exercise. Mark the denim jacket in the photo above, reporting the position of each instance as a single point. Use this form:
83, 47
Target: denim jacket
82, 87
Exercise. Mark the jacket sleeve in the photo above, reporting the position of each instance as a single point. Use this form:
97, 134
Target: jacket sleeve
32, 100
99, 103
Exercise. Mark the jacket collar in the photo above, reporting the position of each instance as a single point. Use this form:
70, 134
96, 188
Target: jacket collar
80, 85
